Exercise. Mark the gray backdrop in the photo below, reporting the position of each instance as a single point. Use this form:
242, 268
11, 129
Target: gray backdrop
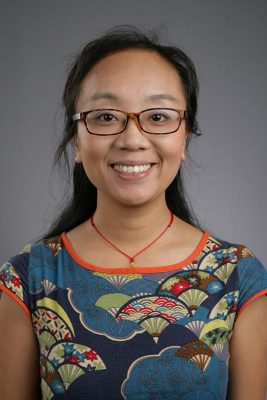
226, 171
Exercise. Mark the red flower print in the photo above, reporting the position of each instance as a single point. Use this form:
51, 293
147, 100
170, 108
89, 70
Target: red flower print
91, 355
67, 336
180, 286
73, 359
3, 276
16, 281
233, 307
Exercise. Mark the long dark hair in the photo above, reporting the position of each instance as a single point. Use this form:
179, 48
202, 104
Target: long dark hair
82, 203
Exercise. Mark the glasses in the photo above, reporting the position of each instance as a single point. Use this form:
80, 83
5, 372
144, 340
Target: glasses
156, 121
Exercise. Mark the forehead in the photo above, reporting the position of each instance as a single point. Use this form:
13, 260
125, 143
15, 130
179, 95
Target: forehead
132, 73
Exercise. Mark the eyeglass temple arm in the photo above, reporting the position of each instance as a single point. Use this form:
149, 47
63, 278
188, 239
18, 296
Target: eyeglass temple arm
77, 117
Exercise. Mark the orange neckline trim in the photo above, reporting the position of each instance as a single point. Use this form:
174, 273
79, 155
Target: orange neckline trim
134, 270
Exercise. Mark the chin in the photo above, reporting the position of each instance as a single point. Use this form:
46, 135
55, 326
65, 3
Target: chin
136, 200
133, 202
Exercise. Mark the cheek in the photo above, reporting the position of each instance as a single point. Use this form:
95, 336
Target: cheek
172, 155
173, 151
91, 150
93, 156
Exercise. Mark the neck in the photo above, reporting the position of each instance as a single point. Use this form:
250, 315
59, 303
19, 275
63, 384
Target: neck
123, 224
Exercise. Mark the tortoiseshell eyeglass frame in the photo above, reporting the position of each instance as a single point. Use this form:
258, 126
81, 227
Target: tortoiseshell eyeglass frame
81, 116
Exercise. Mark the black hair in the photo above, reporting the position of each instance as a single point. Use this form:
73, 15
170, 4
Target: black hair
82, 203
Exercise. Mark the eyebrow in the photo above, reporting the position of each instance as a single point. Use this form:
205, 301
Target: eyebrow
111, 96
161, 96
104, 95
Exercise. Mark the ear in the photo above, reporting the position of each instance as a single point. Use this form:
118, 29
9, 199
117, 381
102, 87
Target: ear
75, 143
183, 157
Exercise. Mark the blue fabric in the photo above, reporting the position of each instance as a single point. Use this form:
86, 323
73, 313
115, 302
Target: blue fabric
139, 336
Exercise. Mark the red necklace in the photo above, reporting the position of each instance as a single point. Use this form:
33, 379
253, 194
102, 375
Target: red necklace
132, 258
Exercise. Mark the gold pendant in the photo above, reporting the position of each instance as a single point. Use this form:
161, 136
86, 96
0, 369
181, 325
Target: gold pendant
132, 264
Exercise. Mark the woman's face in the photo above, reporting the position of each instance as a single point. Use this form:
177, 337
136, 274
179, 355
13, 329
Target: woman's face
131, 80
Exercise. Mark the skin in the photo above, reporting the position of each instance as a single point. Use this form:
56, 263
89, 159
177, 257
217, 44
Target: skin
138, 210
132, 82
19, 357
248, 353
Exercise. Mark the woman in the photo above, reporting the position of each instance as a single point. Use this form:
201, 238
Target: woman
126, 298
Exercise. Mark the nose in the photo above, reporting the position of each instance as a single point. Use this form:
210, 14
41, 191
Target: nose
132, 138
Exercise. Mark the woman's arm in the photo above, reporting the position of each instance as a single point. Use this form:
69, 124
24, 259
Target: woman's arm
248, 353
19, 364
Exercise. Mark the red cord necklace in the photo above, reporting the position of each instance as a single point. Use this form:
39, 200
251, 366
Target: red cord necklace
132, 258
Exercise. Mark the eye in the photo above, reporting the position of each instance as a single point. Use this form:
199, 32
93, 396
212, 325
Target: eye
158, 116
103, 117
106, 117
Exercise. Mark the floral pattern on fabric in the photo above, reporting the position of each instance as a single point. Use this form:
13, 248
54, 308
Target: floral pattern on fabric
181, 294
142, 335
11, 279
62, 360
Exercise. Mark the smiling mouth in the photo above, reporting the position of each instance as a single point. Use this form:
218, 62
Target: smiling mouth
132, 169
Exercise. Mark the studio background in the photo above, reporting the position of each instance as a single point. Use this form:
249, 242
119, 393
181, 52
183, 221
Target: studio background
226, 166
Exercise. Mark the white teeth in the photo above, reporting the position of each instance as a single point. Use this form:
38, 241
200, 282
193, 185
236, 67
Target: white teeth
132, 169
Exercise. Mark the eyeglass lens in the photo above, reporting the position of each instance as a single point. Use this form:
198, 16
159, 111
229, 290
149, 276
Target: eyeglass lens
108, 122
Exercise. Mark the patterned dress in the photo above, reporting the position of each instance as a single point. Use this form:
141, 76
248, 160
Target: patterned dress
137, 333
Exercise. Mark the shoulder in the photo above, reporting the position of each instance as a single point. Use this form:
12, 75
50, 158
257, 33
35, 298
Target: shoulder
21, 259
241, 270
247, 263
238, 251
17, 275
